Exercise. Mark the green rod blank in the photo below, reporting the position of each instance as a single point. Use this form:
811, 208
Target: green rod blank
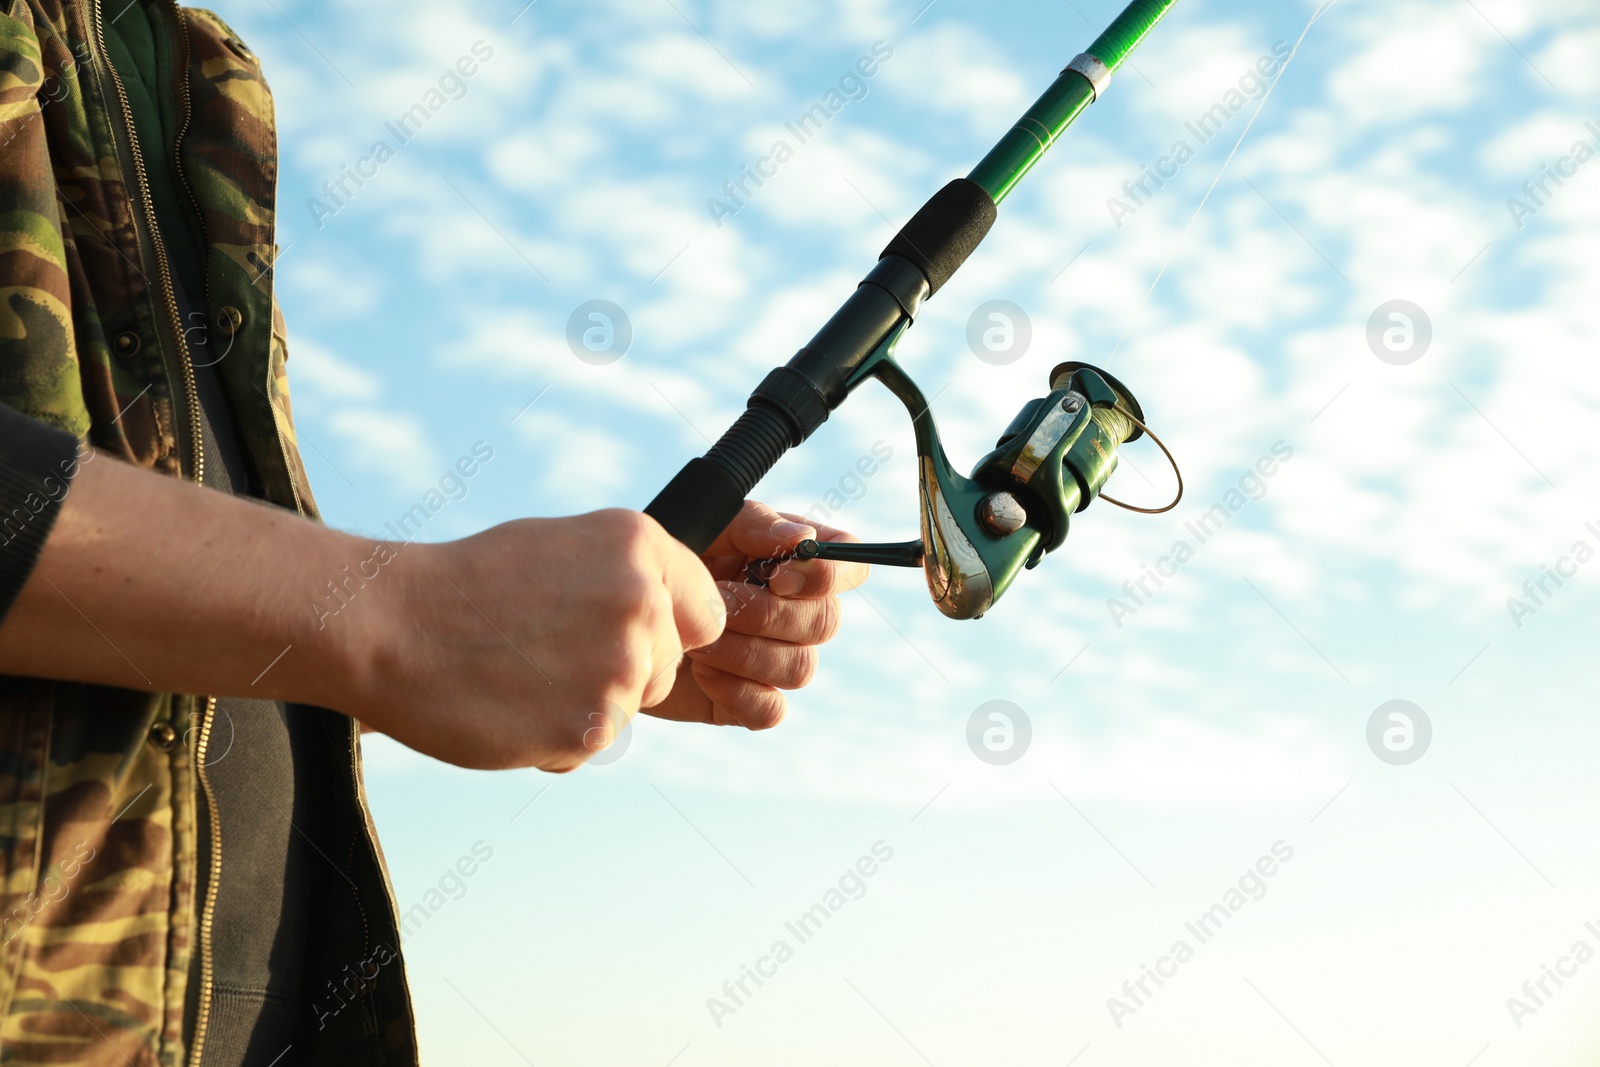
1127, 30
1027, 141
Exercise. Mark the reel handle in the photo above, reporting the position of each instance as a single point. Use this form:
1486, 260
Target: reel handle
898, 554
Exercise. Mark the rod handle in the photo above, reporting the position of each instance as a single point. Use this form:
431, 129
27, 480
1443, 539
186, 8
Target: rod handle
706, 495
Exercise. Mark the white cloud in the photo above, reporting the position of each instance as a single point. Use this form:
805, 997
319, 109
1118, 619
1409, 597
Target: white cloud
684, 63
1518, 153
318, 372
1568, 61
956, 70
542, 160
390, 443
577, 465
1196, 66
1408, 60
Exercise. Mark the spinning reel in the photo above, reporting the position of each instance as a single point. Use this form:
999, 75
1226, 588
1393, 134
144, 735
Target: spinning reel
978, 532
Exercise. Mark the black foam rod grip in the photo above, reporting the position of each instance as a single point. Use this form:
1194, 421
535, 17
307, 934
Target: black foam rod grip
945, 230
698, 504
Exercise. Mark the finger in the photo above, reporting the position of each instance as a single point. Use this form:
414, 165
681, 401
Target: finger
660, 687
605, 726
809, 579
824, 531
761, 613
739, 701
685, 703
760, 659
759, 532
817, 577
666, 652
697, 606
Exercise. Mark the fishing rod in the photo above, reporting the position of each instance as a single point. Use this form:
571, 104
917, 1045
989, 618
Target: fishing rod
977, 532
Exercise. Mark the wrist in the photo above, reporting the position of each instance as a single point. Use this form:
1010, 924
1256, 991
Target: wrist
352, 624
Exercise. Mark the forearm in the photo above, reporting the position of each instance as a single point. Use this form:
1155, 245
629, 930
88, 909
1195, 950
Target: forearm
480, 652
151, 583
528, 644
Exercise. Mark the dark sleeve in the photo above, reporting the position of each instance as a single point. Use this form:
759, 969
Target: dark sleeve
37, 463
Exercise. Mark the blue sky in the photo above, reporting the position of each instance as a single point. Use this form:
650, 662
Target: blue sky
1171, 748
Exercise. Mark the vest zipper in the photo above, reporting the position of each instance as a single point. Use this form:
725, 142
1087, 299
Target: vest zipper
179, 347
163, 266
209, 909
213, 819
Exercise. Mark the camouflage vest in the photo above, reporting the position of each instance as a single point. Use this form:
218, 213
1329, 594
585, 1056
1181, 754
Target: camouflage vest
98, 786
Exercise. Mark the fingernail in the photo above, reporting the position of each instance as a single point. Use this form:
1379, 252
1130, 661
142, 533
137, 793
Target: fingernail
793, 531
787, 583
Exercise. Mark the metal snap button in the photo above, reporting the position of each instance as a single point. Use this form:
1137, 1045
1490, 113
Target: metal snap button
127, 344
163, 736
230, 319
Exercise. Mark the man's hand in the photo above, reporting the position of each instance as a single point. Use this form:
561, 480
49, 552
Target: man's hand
527, 645
772, 633
531, 643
